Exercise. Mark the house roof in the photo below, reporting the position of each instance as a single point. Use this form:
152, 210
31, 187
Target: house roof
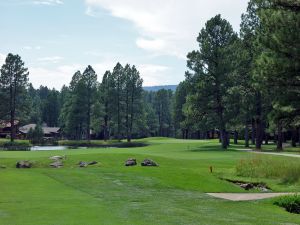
6, 123
47, 130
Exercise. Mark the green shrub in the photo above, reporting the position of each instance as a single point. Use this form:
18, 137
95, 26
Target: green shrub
290, 202
16, 146
36, 135
270, 167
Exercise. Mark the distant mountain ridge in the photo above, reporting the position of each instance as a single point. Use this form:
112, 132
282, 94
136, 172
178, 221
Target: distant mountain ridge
157, 88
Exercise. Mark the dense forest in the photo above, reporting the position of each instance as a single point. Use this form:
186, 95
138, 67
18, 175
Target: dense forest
237, 85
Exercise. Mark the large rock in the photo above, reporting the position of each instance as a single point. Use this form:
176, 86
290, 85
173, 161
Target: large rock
130, 162
23, 164
56, 164
149, 162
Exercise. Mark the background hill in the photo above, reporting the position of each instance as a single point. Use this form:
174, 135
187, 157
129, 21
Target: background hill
157, 88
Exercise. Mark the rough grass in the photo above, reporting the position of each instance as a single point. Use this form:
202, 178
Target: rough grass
286, 169
110, 193
290, 203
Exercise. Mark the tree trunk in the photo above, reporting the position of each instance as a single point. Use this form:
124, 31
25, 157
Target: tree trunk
280, 136
131, 114
284, 139
236, 136
294, 138
105, 129
246, 135
253, 132
228, 138
187, 134
224, 139
88, 133
258, 122
299, 136
258, 141
267, 136
13, 92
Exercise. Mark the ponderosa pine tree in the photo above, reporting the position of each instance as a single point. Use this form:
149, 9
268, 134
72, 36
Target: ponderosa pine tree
179, 102
89, 77
13, 85
133, 98
212, 67
107, 100
74, 113
163, 107
278, 65
118, 77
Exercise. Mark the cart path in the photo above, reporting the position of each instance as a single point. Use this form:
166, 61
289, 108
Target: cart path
271, 153
246, 196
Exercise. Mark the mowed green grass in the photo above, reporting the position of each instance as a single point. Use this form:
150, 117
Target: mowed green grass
110, 193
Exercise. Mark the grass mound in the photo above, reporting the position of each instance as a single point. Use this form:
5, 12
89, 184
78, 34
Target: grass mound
290, 203
269, 167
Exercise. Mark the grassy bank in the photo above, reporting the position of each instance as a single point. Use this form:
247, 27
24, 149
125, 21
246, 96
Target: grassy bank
101, 143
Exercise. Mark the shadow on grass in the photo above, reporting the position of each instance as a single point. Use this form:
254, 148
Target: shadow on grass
210, 148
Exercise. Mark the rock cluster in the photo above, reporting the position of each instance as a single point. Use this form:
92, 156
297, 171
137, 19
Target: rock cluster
149, 162
130, 162
250, 186
24, 164
57, 161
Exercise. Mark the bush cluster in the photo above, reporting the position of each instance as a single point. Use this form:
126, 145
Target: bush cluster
291, 203
15, 146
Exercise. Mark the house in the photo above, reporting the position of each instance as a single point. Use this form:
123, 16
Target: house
5, 127
49, 132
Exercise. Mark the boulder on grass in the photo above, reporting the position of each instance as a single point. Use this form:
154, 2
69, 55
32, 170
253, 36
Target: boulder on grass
149, 162
56, 164
130, 162
83, 164
23, 164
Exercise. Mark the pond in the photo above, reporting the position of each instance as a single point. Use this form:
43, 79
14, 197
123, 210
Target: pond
48, 148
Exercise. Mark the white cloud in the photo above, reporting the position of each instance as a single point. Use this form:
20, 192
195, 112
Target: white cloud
154, 74
90, 12
53, 78
57, 77
147, 44
52, 59
32, 47
170, 26
48, 2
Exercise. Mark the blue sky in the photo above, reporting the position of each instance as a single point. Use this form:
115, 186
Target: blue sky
55, 38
